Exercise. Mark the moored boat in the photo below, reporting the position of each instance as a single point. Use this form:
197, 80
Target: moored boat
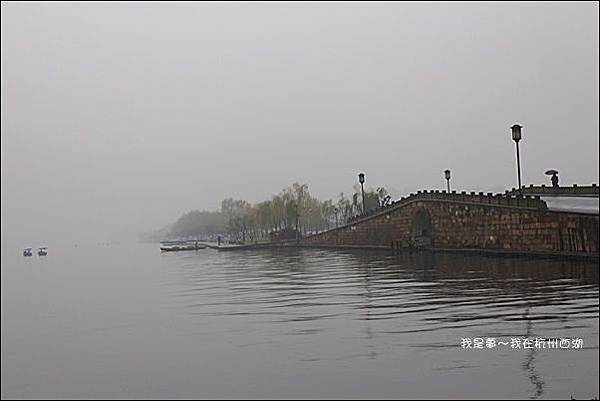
43, 251
173, 248
27, 252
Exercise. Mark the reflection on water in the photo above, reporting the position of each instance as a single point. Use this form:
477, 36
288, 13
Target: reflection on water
428, 292
416, 293
297, 324
529, 364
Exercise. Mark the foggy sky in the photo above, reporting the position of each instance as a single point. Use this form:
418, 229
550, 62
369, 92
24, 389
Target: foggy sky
117, 118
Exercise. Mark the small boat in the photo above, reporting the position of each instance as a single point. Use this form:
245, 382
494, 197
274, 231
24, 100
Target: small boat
43, 251
174, 248
27, 252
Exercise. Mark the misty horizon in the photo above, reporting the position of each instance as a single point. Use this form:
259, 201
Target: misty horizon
231, 200
118, 118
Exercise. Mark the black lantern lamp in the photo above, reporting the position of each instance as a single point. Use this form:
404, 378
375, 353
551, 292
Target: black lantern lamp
516, 136
516, 132
361, 179
447, 176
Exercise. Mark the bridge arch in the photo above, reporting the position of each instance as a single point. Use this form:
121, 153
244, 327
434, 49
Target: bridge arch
421, 228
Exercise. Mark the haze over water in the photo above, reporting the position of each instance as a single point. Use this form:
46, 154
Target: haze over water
100, 321
117, 118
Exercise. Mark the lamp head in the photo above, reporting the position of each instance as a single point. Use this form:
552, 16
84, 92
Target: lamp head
516, 132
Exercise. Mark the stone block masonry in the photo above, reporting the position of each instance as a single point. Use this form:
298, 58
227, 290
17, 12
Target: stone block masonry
502, 223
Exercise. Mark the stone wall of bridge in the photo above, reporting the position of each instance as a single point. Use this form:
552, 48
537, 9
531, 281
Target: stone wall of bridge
471, 221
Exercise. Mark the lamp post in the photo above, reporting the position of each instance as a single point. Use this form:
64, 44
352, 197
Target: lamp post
361, 179
447, 175
336, 210
516, 136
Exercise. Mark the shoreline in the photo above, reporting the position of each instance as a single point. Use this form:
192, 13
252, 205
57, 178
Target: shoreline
467, 251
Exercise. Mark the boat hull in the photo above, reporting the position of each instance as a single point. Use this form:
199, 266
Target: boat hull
178, 248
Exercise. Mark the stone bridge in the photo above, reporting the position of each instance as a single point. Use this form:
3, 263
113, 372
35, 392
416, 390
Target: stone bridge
500, 223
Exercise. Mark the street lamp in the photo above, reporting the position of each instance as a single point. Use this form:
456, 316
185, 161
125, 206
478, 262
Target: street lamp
361, 179
516, 136
447, 175
336, 210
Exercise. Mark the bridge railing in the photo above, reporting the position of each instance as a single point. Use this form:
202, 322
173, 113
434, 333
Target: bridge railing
506, 199
574, 190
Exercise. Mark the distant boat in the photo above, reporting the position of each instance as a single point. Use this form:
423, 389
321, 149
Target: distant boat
43, 251
27, 252
188, 247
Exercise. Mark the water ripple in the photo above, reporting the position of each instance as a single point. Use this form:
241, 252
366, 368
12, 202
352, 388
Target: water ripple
421, 292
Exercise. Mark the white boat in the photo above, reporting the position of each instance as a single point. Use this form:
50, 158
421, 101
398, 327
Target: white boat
27, 252
43, 251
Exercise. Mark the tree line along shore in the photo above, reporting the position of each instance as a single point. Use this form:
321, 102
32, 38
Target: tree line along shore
293, 208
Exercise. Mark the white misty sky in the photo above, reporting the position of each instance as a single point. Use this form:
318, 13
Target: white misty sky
118, 117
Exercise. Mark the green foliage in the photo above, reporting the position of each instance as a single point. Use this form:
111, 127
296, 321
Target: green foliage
292, 208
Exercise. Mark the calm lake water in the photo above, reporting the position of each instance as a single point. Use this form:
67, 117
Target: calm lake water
129, 322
